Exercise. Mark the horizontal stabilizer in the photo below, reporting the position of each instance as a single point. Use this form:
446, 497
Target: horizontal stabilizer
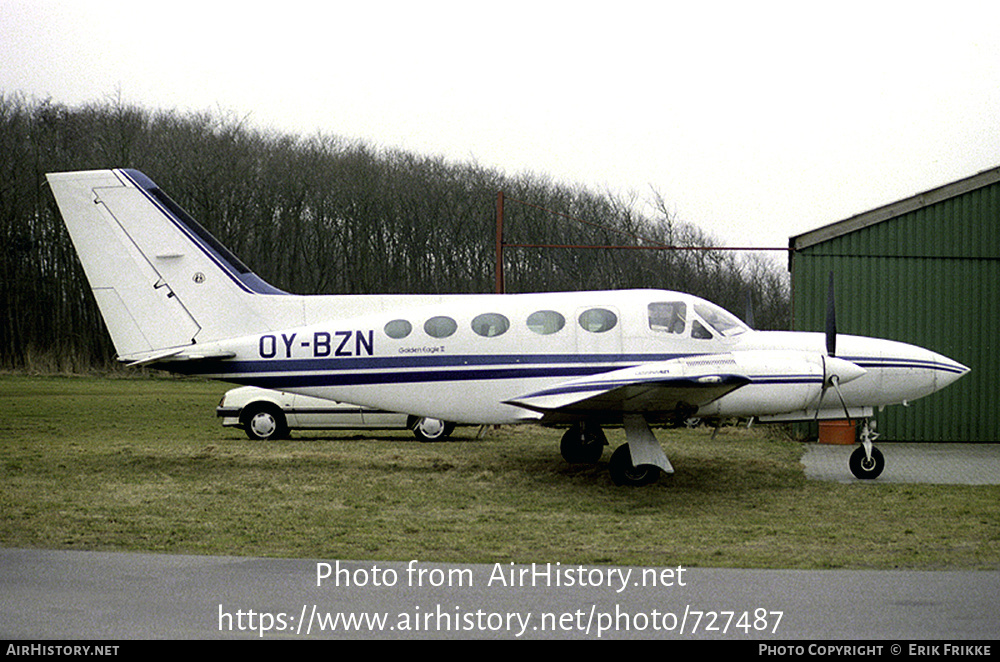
183, 354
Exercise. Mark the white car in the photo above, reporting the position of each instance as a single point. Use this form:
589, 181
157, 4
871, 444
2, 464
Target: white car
266, 414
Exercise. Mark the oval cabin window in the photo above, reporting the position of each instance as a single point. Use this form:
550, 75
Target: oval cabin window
398, 329
490, 325
440, 327
546, 322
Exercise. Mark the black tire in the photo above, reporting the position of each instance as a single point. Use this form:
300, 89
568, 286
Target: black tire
864, 468
583, 444
623, 472
264, 421
432, 429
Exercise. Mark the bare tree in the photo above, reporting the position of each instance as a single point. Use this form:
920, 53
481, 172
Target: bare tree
326, 215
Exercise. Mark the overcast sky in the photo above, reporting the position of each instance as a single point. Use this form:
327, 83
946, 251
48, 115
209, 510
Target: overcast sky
756, 121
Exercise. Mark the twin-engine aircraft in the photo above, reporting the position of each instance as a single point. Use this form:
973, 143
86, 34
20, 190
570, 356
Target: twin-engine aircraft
174, 297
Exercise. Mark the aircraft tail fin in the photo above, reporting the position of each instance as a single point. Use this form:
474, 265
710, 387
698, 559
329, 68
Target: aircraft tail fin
160, 280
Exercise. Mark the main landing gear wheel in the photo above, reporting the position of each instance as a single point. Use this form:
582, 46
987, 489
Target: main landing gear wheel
583, 444
864, 467
623, 472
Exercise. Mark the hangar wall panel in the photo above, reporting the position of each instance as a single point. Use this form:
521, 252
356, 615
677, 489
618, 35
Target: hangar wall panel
931, 277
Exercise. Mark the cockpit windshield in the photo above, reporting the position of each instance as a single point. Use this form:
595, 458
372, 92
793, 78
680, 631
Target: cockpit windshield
724, 323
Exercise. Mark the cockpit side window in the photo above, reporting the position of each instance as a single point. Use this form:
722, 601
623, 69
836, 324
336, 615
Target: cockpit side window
668, 317
699, 332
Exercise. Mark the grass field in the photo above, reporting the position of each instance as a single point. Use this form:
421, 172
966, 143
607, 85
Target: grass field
143, 464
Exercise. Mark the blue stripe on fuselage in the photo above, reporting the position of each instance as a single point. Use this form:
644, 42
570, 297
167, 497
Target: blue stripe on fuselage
594, 363
411, 369
365, 371
882, 363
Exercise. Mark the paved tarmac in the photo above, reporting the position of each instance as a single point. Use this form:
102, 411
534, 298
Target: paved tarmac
115, 596
968, 464
68, 595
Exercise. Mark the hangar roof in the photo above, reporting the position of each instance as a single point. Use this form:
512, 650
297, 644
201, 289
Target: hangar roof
875, 216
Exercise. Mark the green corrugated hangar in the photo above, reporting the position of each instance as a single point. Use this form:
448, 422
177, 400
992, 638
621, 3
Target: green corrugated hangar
926, 271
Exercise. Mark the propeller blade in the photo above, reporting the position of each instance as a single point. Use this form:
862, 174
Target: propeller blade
831, 320
822, 391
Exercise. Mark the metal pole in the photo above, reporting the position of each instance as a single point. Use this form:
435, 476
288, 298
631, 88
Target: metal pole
499, 246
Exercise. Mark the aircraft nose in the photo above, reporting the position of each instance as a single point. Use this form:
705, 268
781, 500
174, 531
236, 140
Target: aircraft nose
947, 370
903, 372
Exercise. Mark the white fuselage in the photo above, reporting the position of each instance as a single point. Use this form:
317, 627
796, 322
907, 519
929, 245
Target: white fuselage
172, 296
464, 358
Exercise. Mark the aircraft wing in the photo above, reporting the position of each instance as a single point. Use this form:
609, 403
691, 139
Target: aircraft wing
661, 387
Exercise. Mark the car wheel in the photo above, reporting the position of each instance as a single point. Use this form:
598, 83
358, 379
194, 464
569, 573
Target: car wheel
264, 421
432, 429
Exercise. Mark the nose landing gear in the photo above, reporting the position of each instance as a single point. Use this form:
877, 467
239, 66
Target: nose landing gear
867, 461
